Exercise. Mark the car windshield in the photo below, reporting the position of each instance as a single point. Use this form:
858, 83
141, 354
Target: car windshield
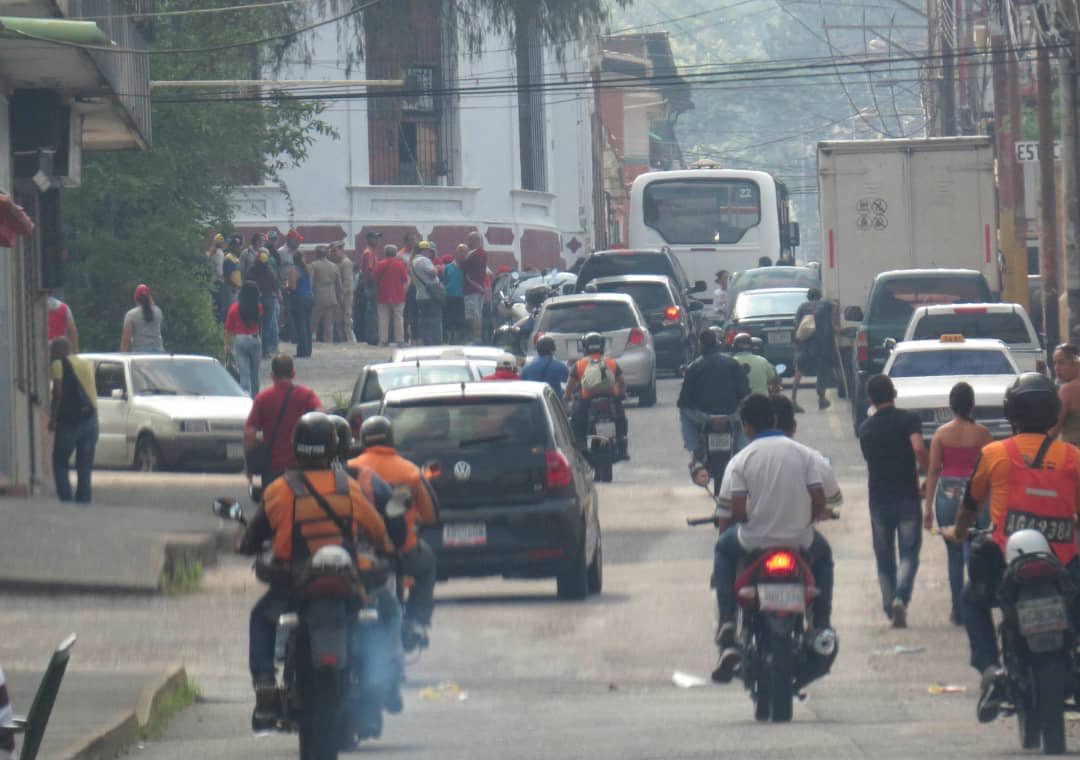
691, 211
774, 277
587, 316
649, 296
406, 375
951, 362
1009, 327
896, 300
617, 264
466, 423
767, 304
182, 377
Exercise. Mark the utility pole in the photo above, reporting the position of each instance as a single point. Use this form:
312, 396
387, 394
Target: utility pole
1018, 275
947, 27
1048, 237
1070, 299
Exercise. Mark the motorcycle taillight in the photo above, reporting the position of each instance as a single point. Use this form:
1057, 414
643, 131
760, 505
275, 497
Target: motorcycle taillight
719, 424
780, 564
1036, 569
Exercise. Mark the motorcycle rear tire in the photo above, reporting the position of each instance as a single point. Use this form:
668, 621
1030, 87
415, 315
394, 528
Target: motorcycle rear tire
1050, 675
782, 686
319, 723
762, 698
602, 466
1027, 720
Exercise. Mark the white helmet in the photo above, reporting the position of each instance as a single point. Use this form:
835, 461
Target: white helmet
1023, 542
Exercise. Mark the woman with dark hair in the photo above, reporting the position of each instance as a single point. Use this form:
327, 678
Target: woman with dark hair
953, 454
242, 339
302, 300
142, 325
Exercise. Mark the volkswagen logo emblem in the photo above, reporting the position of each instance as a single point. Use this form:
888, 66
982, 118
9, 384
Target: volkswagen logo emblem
462, 471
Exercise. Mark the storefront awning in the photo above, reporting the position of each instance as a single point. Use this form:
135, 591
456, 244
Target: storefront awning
53, 30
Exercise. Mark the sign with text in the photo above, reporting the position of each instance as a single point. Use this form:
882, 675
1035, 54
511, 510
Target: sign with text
1029, 151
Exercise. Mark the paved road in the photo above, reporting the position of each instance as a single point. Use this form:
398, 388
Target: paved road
590, 679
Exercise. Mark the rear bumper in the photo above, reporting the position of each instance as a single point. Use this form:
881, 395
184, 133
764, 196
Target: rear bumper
203, 452
534, 541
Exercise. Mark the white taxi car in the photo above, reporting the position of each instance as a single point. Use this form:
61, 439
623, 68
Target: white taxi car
924, 371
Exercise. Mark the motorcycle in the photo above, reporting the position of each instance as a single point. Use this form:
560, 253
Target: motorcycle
1038, 643
334, 680
601, 444
715, 447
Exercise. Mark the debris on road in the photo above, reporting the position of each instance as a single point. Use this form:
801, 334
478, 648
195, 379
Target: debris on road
938, 688
444, 692
687, 681
901, 649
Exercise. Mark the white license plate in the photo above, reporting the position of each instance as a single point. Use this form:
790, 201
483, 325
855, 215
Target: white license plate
234, 451
1041, 615
781, 597
464, 534
719, 441
605, 429
779, 338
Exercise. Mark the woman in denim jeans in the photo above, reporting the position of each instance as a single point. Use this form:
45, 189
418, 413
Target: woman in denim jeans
242, 327
953, 454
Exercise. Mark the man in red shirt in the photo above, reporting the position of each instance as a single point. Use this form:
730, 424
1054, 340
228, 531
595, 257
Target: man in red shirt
506, 369
368, 259
275, 413
475, 275
391, 279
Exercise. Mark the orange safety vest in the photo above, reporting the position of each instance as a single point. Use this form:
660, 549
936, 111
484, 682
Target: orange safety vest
583, 363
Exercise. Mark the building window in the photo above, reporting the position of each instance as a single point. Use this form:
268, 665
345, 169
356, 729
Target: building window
531, 131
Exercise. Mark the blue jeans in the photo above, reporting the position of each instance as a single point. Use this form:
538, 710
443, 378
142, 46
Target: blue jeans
302, 306
950, 492
248, 352
271, 315
726, 561
80, 438
371, 314
896, 525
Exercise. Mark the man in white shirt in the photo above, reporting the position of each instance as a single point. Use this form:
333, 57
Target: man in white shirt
720, 299
771, 493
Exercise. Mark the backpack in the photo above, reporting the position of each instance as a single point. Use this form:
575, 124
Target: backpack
597, 379
806, 329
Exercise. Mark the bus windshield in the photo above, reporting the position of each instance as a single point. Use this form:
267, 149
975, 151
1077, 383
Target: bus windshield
687, 211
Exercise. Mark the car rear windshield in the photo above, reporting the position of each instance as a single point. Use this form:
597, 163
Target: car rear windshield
182, 377
587, 316
950, 363
475, 423
775, 277
702, 211
895, 300
1009, 327
617, 264
649, 296
405, 376
767, 304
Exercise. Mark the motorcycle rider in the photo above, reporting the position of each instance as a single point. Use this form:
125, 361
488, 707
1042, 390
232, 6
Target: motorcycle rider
713, 384
505, 369
417, 558
759, 371
544, 368
596, 376
772, 492
1032, 481
297, 525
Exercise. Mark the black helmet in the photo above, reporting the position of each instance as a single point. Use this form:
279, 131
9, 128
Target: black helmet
592, 342
536, 295
344, 436
1031, 403
742, 342
377, 431
757, 345
546, 346
315, 441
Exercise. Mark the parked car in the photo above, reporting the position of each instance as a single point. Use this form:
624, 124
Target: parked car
626, 334
626, 261
160, 410
760, 278
769, 315
1008, 322
376, 379
894, 296
674, 318
924, 371
483, 357
516, 497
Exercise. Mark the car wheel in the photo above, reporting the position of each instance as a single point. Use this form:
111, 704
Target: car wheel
147, 454
647, 397
573, 584
596, 568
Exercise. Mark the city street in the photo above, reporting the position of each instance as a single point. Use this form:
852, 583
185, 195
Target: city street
540, 678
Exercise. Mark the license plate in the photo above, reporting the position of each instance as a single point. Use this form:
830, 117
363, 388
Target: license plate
719, 441
779, 338
464, 534
605, 429
1041, 615
234, 451
942, 415
781, 597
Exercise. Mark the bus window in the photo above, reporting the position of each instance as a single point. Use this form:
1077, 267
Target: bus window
702, 210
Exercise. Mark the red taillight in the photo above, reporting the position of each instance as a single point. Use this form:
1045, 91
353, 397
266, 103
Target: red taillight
671, 313
729, 336
537, 336
780, 564
637, 337
329, 661
969, 310
558, 469
1040, 366
1037, 569
719, 424
862, 347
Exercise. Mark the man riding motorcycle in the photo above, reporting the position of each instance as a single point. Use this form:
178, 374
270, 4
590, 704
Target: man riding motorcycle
292, 517
545, 368
760, 372
596, 376
713, 384
773, 490
1032, 481
417, 558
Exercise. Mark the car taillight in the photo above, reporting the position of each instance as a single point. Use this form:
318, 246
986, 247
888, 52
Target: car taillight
729, 336
1040, 366
537, 336
1037, 569
671, 314
862, 347
780, 564
558, 469
637, 337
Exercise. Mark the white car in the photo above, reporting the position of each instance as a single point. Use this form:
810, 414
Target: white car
925, 371
376, 380
1008, 322
162, 410
485, 357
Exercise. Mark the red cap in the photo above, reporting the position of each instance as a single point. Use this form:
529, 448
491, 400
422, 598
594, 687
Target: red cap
294, 235
140, 291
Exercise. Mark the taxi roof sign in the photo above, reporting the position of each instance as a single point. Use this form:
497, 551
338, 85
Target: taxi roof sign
952, 338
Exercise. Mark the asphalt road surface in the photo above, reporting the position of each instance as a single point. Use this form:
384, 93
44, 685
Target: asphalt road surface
540, 678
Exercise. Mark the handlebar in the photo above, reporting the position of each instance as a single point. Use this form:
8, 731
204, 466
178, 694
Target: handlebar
696, 521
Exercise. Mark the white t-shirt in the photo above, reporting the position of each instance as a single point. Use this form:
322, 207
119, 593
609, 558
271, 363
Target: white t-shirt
719, 302
775, 474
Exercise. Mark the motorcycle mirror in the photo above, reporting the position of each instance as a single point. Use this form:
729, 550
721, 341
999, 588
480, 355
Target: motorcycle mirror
781, 369
255, 493
227, 508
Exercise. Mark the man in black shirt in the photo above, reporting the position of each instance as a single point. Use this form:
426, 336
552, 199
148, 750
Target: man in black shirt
814, 355
892, 444
714, 384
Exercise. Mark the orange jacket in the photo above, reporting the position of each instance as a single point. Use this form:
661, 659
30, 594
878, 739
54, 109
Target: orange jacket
582, 365
399, 471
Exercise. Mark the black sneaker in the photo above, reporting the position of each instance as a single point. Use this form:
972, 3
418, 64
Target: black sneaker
267, 707
899, 614
823, 403
413, 636
725, 635
991, 694
728, 665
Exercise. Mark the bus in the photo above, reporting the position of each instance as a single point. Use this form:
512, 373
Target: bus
713, 219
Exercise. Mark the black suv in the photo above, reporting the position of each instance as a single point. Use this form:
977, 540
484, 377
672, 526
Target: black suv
516, 497
892, 300
627, 261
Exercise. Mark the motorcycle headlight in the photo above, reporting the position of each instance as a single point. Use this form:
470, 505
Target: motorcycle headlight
194, 426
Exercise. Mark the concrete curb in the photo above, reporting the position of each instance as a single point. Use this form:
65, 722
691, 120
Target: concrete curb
126, 729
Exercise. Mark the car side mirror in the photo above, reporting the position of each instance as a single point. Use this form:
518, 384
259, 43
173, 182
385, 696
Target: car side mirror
699, 287
888, 344
781, 369
118, 393
853, 314
696, 306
